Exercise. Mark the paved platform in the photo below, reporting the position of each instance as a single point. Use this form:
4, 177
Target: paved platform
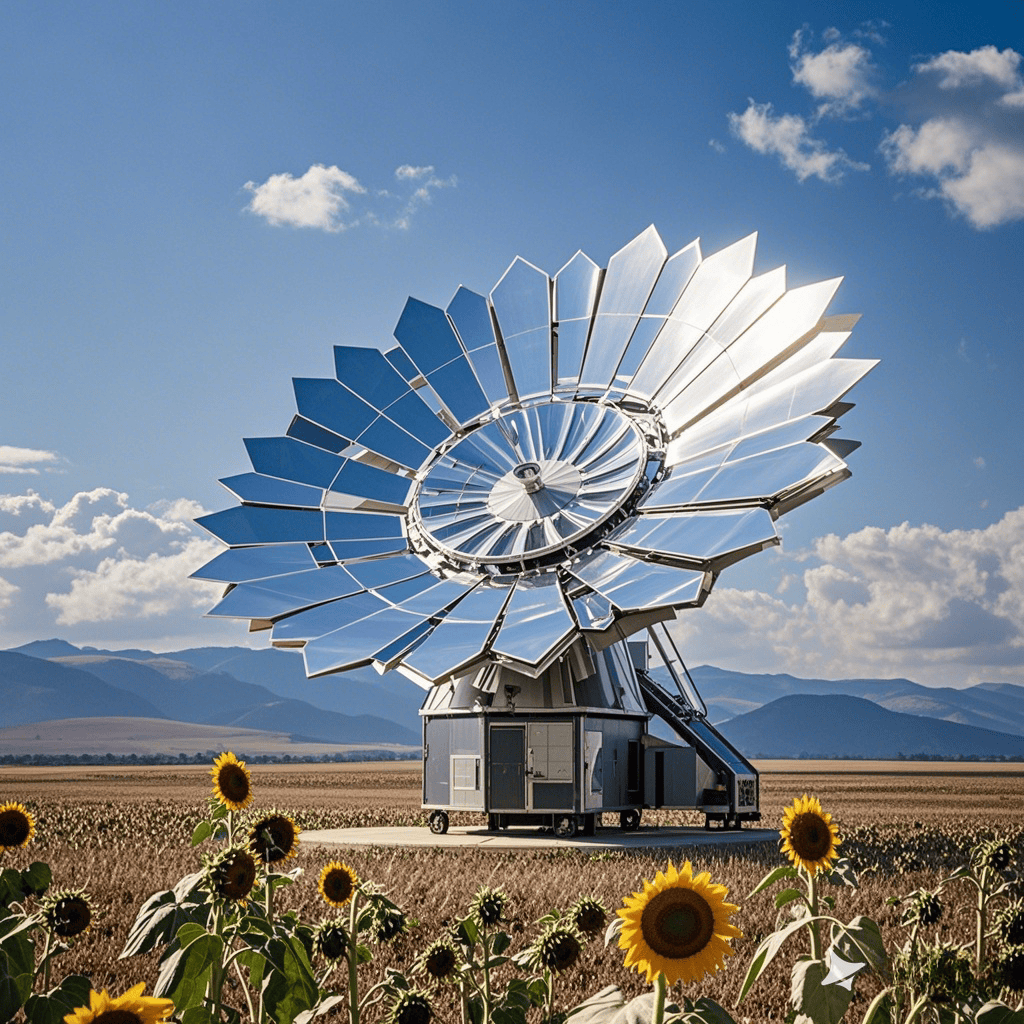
648, 837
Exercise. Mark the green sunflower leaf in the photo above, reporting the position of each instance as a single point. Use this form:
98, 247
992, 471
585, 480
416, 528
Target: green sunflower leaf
289, 987
36, 878
184, 975
787, 896
17, 973
783, 871
202, 832
51, 1007
814, 1002
996, 1012
766, 953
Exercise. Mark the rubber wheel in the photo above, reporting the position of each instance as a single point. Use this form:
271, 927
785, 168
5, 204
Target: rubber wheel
629, 821
438, 822
566, 827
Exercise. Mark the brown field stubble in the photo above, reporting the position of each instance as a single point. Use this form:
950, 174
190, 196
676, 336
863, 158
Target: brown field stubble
123, 833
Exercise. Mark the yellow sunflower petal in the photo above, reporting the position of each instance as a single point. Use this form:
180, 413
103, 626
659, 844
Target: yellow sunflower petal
678, 927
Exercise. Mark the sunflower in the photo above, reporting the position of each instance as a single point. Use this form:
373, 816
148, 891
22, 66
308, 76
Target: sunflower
411, 1007
388, 924
558, 948
131, 1008
231, 874
17, 826
337, 883
67, 912
274, 838
678, 926
488, 905
588, 915
231, 782
330, 940
439, 960
809, 839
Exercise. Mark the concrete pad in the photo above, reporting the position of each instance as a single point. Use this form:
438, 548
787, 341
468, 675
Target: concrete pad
648, 837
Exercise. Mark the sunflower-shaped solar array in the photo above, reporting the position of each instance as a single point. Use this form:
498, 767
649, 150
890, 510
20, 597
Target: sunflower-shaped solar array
564, 460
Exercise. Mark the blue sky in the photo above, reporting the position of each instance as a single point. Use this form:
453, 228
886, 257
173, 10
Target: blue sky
204, 198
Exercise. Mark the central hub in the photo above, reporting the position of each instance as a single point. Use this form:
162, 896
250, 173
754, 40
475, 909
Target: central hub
529, 483
529, 473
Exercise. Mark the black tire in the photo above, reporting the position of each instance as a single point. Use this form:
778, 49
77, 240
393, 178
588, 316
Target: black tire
566, 826
438, 822
629, 821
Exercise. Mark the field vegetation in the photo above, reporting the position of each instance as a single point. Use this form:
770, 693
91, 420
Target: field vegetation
122, 834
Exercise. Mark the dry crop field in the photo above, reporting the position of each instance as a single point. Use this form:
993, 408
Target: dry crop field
123, 833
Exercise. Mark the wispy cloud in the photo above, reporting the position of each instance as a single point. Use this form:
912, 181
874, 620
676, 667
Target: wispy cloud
26, 460
788, 136
330, 199
962, 140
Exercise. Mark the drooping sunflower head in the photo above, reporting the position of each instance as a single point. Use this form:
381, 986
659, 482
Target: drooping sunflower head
231, 874
488, 906
17, 826
67, 912
273, 838
808, 836
589, 915
388, 923
337, 883
1010, 923
558, 948
330, 939
411, 1007
231, 782
678, 926
439, 960
131, 1008
927, 908
995, 853
1011, 968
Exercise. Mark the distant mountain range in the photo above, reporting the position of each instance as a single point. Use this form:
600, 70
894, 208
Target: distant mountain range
765, 715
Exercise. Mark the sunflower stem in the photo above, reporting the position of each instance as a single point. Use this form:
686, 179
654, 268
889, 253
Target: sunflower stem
45, 964
486, 973
660, 988
245, 991
268, 899
815, 927
979, 944
549, 977
353, 960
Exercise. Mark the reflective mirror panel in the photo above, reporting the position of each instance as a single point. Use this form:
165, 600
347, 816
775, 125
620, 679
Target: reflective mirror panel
384, 438
344, 550
252, 524
292, 460
355, 644
366, 373
279, 595
382, 571
486, 363
401, 362
303, 430
415, 417
536, 621
529, 356
438, 597
362, 525
268, 490
427, 336
672, 280
333, 406
325, 617
522, 299
572, 343
472, 319
636, 586
239, 565
697, 537
456, 385
576, 288
685, 453
632, 273
368, 482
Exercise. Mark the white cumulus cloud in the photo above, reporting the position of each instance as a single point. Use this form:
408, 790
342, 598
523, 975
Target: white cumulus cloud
96, 569
941, 607
840, 75
788, 137
316, 200
325, 198
961, 140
